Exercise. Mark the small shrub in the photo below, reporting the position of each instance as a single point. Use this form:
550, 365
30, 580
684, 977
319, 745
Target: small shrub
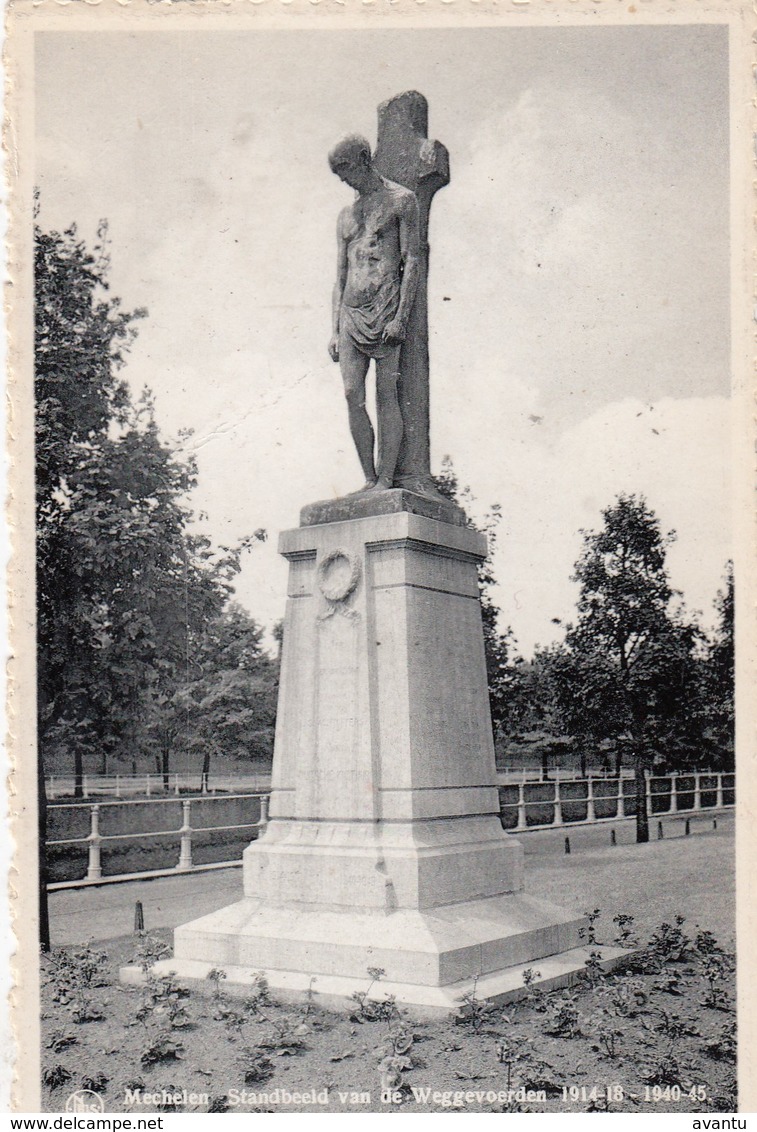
671, 982
374, 1010
716, 968
94, 1084
624, 999
56, 1076
670, 943
216, 975
563, 1017
257, 1067
219, 1104
474, 1011
723, 1046
674, 1026
663, 1070
149, 950
592, 971
605, 1028
162, 1001
625, 936
61, 1039
589, 933
163, 1047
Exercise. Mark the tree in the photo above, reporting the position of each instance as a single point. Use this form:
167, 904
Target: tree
226, 703
500, 648
628, 670
125, 590
719, 678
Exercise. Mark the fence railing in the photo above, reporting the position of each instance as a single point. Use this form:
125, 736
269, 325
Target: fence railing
95, 839
152, 784
560, 803
577, 801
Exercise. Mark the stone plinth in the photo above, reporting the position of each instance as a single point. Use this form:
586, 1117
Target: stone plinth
384, 846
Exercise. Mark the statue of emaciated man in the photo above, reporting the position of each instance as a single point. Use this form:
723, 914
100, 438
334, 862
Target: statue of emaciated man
377, 277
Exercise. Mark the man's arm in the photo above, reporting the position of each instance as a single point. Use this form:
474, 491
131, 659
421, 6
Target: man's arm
409, 234
341, 280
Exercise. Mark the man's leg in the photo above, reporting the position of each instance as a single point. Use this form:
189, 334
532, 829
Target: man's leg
354, 367
388, 417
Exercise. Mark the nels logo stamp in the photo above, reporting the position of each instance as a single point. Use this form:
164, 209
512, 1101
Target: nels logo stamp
85, 1100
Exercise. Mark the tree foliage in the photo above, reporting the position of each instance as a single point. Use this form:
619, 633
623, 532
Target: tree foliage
126, 589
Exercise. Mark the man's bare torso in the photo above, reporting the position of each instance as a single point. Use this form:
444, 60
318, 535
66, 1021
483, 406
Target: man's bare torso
370, 229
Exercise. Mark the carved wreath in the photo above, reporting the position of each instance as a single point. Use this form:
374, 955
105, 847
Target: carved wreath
338, 588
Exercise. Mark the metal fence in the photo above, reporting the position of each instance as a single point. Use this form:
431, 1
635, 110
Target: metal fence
95, 839
159, 785
524, 805
546, 805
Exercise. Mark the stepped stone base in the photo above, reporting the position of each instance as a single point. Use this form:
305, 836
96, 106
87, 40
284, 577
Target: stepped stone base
431, 959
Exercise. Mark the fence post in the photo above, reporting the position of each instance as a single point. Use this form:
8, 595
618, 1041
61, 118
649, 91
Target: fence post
176, 784
697, 791
620, 809
648, 790
118, 785
263, 819
94, 868
590, 800
147, 785
521, 824
84, 786
673, 793
557, 820
185, 854
719, 793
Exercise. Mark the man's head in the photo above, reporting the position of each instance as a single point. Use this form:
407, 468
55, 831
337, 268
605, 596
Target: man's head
350, 159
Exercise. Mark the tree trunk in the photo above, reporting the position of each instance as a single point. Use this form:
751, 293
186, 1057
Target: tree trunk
205, 772
44, 919
642, 817
583, 764
166, 765
545, 764
618, 762
78, 772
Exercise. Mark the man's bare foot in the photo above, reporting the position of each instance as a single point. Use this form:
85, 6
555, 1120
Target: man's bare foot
380, 485
369, 485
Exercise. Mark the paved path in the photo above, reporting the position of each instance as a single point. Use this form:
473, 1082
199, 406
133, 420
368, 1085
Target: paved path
691, 875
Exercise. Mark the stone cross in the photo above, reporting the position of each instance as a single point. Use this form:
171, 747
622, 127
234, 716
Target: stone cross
405, 154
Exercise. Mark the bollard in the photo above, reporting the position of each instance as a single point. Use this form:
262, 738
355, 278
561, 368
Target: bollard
94, 869
714, 823
660, 834
185, 853
567, 845
139, 918
688, 827
613, 838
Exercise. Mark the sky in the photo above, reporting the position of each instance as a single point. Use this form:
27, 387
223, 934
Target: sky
578, 291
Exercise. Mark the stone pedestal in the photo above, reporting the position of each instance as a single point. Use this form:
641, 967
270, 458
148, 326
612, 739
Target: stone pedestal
384, 847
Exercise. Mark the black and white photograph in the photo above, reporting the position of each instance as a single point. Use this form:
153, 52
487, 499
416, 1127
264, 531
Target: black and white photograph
381, 463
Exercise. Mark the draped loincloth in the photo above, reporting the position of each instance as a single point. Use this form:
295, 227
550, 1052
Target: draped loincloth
365, 325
